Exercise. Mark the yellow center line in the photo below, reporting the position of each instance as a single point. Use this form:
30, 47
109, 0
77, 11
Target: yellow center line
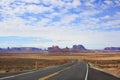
53, 74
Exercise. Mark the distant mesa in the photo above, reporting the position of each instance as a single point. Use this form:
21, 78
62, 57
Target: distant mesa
1, 49
112, 48
20, 50
78, 48
74, 48
54, 48
24, 48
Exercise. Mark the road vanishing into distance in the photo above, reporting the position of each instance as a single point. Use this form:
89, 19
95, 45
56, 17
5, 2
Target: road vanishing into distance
70, 71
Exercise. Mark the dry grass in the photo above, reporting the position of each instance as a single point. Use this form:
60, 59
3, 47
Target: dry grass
107, 62
17, 62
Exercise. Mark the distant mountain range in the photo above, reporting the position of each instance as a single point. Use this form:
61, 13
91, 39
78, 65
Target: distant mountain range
112, 48
75, 48
20, 50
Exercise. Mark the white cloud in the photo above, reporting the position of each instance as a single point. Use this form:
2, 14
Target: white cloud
76, 3
5, 2
112, 3
108, 2
37, 9
73, 4
66, 19
31, 1
111, 23
105, 17
53, 3
43, 22
70, 35
90, 4
88, 13
62, 32
117, 2
116, 16
19, 8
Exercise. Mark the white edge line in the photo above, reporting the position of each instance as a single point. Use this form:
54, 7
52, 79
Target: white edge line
86, 72
23, 73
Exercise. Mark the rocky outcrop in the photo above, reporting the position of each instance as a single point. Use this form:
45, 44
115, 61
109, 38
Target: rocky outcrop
78, 48
112, 48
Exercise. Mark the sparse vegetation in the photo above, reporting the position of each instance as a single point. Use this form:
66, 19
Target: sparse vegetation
107, 62
15, 64
18, 62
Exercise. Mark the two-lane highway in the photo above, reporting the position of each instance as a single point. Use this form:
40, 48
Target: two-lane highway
76, 72
71, 71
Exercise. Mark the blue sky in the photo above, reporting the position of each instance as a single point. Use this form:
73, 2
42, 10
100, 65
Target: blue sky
43, 23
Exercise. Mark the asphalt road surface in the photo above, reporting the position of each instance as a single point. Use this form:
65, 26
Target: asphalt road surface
71, 71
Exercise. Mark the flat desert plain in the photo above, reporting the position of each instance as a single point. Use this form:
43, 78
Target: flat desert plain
14, 62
